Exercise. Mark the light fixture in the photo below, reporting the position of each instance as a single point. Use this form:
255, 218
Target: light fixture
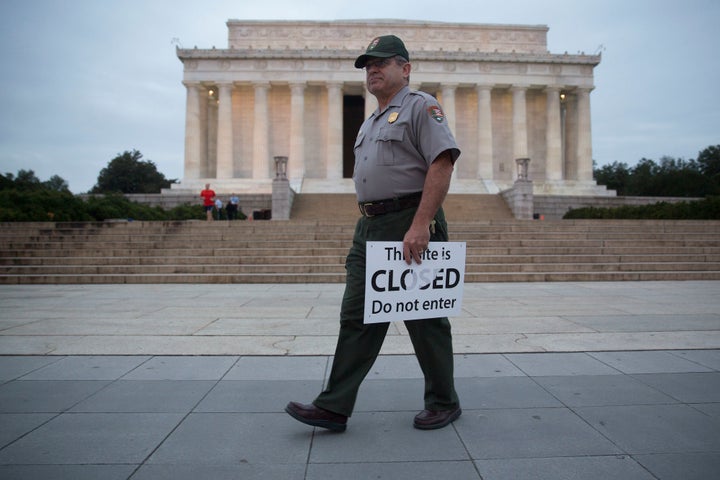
281, 167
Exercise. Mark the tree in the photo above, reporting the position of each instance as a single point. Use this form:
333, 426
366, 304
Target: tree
709, 161
57, 184
26, 180
615, 176
127, 173
641, 178
670, 177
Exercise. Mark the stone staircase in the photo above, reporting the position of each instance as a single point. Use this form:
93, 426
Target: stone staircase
312, 250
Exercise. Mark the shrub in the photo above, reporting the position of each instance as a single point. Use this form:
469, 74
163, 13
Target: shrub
705, 209
48, 205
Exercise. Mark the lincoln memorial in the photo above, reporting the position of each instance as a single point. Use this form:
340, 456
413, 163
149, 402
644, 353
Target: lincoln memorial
289, 88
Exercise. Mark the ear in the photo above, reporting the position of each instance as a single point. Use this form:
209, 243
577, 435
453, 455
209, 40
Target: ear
406, 70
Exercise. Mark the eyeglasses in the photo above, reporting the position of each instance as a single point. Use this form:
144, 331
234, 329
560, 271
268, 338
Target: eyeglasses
380, 63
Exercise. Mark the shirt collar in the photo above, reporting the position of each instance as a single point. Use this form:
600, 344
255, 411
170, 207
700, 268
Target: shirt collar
395, 101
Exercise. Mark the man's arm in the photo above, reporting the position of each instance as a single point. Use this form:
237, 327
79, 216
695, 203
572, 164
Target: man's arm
437, 183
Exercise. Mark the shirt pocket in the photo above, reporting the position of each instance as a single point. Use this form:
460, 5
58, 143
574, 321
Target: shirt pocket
387, 145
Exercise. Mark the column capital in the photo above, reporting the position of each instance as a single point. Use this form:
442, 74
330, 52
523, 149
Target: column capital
519, 87
483, 86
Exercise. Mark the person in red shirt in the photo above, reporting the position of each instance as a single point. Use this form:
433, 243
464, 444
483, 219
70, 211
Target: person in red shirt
208, 197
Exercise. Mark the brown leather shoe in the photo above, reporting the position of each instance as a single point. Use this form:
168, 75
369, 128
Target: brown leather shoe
317, 417
430, 419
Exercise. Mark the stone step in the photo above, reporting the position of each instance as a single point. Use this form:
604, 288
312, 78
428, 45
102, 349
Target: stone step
336, 268
551, 276
472, 259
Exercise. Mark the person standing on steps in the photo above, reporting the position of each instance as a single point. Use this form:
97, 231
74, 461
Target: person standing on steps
208, 197
404, 158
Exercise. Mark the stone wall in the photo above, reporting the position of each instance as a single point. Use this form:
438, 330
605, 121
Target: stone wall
248, 202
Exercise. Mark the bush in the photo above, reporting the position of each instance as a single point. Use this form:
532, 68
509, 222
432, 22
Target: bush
41, 206
48, 205
104, 207
705, 209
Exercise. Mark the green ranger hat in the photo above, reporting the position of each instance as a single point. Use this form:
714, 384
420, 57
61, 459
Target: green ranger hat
383, 47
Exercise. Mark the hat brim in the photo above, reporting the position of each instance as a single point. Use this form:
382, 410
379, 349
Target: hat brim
362, 59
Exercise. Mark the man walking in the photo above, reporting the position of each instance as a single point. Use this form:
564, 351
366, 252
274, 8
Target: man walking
404, 157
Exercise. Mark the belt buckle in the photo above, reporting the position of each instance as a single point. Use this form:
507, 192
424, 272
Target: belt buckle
363, 210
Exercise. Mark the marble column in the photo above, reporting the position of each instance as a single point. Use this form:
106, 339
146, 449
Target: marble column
520, 136
484, 139
584, 136
224, 133
193, 131
261, 159
448, 104
334, 165
296, 158
553, 136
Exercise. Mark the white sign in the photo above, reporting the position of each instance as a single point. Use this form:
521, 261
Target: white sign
397, 291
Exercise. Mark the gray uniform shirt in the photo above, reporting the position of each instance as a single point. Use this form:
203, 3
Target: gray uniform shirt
395, 147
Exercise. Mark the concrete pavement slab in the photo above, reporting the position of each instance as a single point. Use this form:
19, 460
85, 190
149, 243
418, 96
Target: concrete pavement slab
531, 433
91, 438
565, 468
688, 466
645, 429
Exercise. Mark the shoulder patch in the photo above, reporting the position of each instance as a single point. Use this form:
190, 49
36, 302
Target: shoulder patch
436, 113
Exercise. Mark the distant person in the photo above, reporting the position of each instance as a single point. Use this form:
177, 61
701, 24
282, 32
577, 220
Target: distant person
208, 197
232, 207
219, 207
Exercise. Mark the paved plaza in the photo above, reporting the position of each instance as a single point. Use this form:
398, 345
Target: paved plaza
556, 380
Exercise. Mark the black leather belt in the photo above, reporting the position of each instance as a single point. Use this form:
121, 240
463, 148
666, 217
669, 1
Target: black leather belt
381, 207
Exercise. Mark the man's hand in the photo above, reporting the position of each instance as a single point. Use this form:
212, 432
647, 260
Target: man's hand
415, 242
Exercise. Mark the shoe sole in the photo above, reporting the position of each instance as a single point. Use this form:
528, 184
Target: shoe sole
435, 426
333, 426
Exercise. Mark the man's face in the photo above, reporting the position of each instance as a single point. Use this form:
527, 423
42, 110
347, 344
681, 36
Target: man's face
385, 77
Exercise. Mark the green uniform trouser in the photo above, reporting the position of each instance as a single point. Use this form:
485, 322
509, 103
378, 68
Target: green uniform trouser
359, 345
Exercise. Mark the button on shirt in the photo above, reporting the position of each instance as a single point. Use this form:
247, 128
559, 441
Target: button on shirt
395, 147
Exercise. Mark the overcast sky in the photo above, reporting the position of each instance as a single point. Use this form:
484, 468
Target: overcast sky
84, 80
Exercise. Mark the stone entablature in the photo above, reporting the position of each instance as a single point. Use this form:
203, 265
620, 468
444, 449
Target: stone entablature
279, 90
303, 65
354, 36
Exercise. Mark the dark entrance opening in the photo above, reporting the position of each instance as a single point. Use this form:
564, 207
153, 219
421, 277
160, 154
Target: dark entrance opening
353, 117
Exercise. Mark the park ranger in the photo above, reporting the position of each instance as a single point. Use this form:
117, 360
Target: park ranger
404, 157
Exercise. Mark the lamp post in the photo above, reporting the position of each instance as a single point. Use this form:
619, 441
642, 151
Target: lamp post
281, 167
522, 168
282, 195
